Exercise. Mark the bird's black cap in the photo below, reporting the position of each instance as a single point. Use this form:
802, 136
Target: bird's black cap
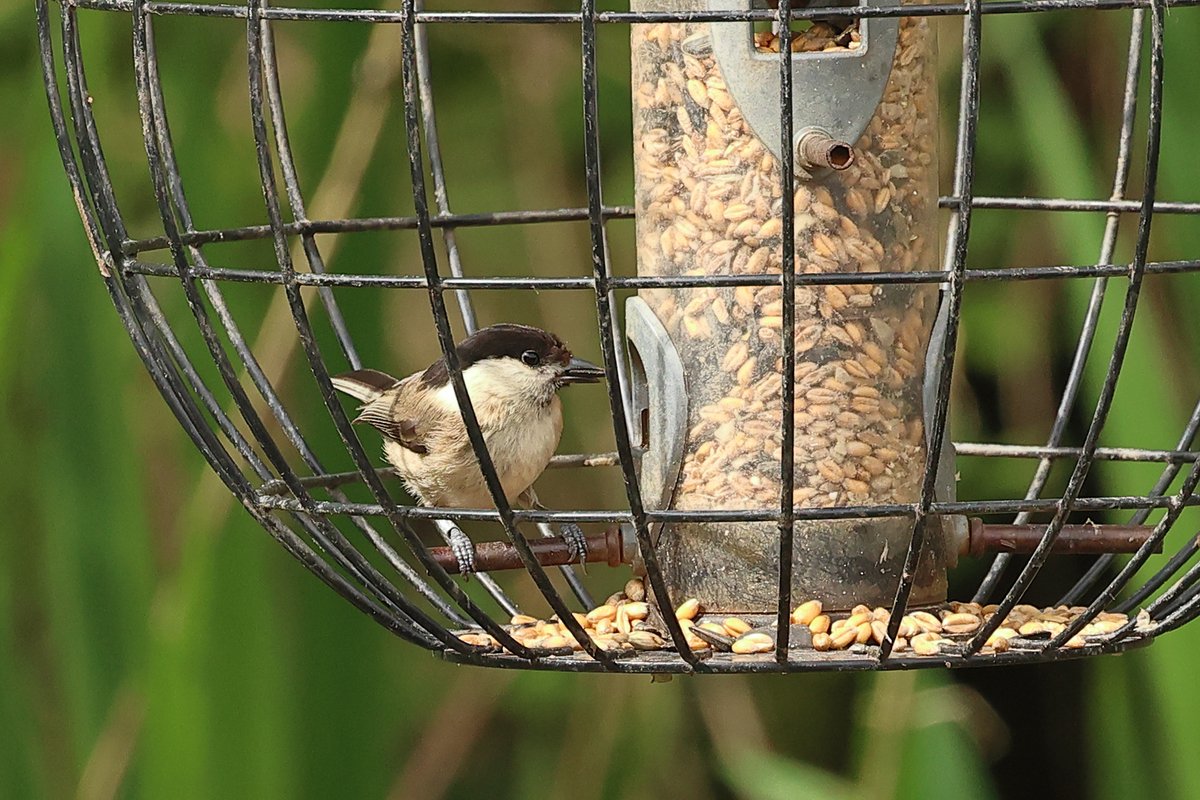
505, 340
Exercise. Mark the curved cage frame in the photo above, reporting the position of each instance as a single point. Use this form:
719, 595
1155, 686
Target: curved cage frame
426, 612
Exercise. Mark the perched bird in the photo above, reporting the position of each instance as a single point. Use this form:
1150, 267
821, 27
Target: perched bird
513, 374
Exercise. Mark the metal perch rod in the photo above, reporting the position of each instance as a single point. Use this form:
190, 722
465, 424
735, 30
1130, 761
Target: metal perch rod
614, 547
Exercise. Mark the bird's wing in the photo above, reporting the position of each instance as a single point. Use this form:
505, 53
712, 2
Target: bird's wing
405, 432
405, 415
364, 385
379, 393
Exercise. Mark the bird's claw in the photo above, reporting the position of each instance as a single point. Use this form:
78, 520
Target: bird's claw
572, 534
463, 549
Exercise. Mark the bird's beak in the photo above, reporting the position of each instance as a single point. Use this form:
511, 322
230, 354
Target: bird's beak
580, 371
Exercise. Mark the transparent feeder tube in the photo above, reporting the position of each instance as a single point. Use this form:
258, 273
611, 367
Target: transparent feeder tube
708, 201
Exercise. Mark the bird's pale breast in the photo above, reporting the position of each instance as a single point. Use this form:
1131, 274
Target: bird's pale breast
521, 439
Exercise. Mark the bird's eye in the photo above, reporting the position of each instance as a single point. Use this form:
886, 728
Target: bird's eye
530, 357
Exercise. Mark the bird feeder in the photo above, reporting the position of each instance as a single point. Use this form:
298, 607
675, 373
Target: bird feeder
781, 420
709, 203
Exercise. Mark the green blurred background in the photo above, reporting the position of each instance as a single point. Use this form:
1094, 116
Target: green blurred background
155, 643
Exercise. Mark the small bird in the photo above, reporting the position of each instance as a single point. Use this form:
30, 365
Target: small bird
513, 374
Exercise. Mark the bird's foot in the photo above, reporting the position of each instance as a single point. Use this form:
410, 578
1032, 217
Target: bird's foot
572, 534
463, 549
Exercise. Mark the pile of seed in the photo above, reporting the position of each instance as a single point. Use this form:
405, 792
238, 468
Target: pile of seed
622, 622
626, 621
928, 633
708, 196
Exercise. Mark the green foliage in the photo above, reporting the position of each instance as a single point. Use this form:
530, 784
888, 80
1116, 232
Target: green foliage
759, 775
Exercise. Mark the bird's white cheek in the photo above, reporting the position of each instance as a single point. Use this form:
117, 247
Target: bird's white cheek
501, 380
445, 396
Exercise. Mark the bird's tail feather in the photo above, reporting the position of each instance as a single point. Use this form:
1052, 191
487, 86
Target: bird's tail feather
364, 385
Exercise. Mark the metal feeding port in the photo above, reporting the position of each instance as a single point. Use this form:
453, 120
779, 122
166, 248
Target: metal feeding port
837, 88
778, 382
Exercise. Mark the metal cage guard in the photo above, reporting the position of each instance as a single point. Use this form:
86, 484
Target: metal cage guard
424, 611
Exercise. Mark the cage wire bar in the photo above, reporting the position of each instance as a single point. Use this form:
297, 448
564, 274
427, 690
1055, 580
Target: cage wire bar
1092, 315
787, 268
428, 611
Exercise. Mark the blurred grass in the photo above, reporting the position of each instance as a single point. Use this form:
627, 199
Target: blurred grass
154, 643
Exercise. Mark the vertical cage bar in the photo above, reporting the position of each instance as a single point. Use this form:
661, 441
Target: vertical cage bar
604, 312
321, 372
1091, 318
291, 183
787, 454
450, 354
1149, 190
316, 265
1120, 346
441, 198
956, 263
437, 171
